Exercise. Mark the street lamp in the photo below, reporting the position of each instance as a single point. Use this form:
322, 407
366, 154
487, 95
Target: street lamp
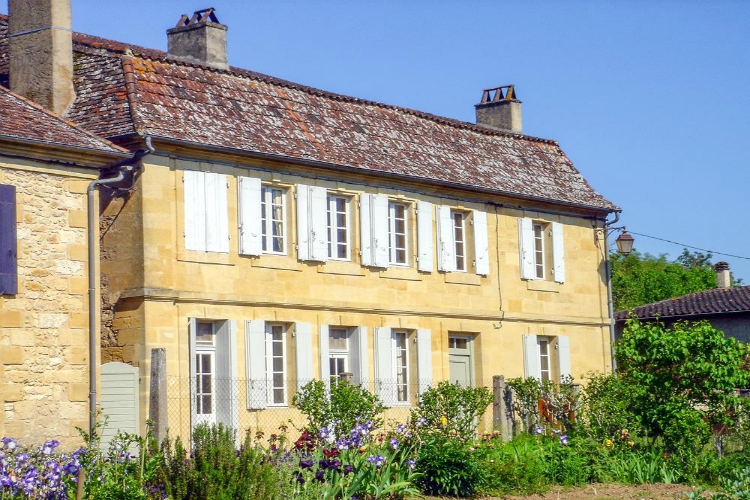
624, 242
624, 247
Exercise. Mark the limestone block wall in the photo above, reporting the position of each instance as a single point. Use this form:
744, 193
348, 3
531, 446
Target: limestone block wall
43, 328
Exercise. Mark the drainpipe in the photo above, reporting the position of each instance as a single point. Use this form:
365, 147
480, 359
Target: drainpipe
610, 304
125, 173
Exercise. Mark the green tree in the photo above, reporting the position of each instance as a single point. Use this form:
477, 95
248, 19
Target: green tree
682, 379
639, 279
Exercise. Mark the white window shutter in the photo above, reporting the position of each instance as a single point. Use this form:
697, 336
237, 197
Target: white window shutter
385, 381
446, 240
318, 224
192, 330
250, 215
227, 392
424, 359
325, 367
526, 247
481, 243
563, 353
362, 375
303, 350
380, 230
424, 237
365, 229
303, 222
255, 359
194, 202
217, 216
532, 366
558, 252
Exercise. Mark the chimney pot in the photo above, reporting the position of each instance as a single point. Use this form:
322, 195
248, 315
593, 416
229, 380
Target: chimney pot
723, 276
500, 110
199, 39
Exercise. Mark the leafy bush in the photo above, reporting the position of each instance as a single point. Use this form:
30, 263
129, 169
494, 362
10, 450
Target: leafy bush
606, 410
338, 410
451, 411
450, 467
544, 403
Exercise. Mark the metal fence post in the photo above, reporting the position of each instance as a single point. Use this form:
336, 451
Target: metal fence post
157, 408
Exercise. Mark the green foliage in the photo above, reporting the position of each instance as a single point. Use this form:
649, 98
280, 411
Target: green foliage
338, 410
560, 402
217, 470
516, 467
606, 409
639, 279
450, 467
451, 411
681, 380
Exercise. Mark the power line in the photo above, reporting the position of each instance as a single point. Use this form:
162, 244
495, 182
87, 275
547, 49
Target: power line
689, 246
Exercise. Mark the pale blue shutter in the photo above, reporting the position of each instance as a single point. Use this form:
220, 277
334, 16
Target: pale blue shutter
558, 252
303, 351
192, 330
563, 352
425, 261
446, 240
325, 367
385, 380
8, 241
318, 223
532, 366
255, 359
481, 243
526, 248
365, 228
358, 356
424, 359
380, 241
217, 215
251, 242
194, 204
226, 383
303, 222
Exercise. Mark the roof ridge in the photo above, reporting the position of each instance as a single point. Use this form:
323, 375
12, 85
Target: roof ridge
59, 118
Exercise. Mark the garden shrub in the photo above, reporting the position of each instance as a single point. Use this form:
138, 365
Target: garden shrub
450, 467
606, 410
561, 402
339, 409
451, 411
516, 467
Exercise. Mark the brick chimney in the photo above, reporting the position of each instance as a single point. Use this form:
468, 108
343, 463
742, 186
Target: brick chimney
500, 109
199, 39
41, 52
723, 276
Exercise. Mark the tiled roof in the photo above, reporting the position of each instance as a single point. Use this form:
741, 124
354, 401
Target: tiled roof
21, 119
716, 301
124, 89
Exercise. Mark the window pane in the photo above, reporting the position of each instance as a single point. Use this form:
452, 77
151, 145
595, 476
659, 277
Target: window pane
204, 333
277, 349
278, 365
278, 396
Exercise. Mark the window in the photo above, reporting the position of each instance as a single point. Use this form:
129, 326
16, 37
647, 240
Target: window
460, 359
8, 244
401, 364
273, 216
459, 240
276, 363
547, 358
397, 232
206, 224
338, 351
205, 371
458, 230
541, 250
213, 368
338, 227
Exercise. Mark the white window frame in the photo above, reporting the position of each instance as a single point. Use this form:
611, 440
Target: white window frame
557, 355
342, 354
545, 344
539, 251
205, 349
393, 249
333, 228
530, 246
459, 229
268, 224
270, 372
405, 396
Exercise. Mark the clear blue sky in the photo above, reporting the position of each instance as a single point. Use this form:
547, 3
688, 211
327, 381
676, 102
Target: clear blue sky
650, 99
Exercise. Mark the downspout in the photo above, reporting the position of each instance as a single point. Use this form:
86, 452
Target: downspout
125, 169
610, 304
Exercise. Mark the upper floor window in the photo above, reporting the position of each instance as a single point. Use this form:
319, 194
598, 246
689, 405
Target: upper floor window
460, 232
541, 250
338, 227
398, 222
206, 224
459, 240
273, 217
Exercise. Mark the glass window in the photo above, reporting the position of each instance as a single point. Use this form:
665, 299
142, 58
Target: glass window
539, 251
401, 365
338, 228
338, 351
397, 231
544, 359
276, 362
459, 231
273, 216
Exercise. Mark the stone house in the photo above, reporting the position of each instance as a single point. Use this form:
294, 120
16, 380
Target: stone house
46, 167
726, 307
279, 233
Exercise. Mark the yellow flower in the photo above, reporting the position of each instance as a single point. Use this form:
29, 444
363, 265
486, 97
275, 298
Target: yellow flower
631, 443
443, 421
608, 443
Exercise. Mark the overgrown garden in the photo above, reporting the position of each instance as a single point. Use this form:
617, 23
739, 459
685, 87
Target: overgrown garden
671, 414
